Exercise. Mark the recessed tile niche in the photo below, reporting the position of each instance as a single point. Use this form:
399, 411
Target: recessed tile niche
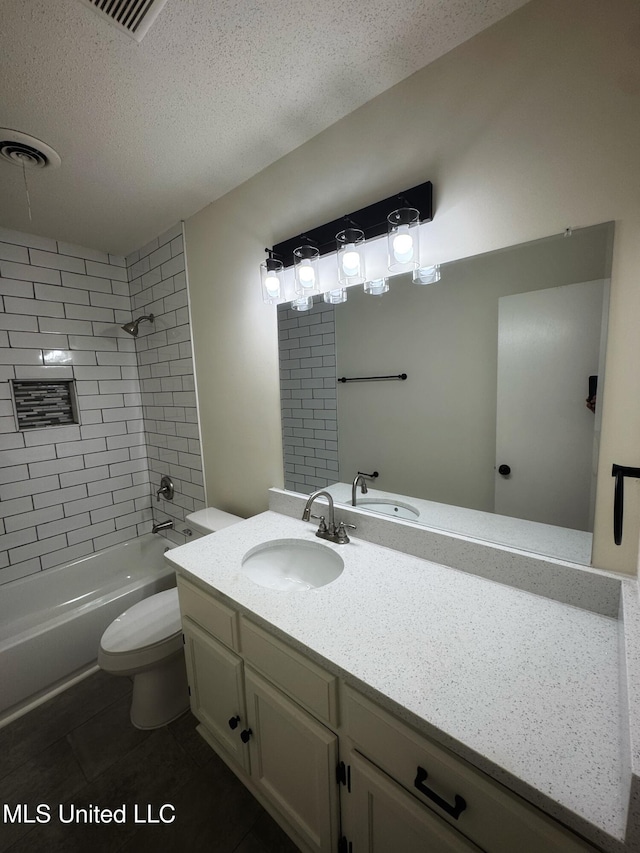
44, 403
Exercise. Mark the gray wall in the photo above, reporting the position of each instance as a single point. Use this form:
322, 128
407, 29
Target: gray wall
434, 435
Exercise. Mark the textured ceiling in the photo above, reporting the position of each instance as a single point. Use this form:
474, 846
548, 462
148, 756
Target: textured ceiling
217, 90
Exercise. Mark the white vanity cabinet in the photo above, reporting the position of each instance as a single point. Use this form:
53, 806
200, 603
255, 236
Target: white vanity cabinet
378, 814
284, 754
398, 776
338, 772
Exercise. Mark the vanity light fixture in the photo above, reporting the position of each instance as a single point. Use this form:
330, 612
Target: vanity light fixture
377, 286
303, 303
427, 275
293, 269
272, 278
404, 240
306, 269
335, 297
351, 265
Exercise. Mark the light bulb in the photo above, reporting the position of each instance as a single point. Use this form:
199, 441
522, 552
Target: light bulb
351, 263
306, 275
272, 285
403, 248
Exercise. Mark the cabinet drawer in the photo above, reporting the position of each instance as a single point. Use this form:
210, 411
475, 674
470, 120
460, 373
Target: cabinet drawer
216, 618
491, 815
303, 680
380, 815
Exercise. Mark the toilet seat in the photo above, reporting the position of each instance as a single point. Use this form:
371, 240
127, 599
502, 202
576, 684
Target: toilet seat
143, 635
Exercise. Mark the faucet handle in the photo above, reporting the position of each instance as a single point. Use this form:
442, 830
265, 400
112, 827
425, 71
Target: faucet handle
341, 532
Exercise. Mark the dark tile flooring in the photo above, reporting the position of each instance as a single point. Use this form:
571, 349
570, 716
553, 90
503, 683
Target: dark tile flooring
79, 750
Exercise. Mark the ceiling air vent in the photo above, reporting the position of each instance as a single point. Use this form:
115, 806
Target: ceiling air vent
133, 17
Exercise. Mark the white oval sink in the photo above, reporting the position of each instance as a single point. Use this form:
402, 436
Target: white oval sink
292, 564
398, 510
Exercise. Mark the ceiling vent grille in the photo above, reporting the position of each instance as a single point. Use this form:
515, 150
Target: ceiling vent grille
133, 17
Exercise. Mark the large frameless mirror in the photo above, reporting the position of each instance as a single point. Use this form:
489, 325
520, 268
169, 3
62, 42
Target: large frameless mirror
495, 431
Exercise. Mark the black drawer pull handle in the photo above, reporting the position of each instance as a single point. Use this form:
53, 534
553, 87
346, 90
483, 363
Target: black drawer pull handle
234, 722
455, 811
245, 735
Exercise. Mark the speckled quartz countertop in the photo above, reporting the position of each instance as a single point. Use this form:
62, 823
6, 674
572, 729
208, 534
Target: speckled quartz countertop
524, 687
559, 542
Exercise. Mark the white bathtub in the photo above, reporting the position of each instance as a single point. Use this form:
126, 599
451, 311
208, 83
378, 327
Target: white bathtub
51, 622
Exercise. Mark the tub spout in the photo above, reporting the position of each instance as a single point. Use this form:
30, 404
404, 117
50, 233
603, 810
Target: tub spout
163, 525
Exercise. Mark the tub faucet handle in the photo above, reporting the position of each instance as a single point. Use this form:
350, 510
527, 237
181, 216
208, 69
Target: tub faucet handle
166, 489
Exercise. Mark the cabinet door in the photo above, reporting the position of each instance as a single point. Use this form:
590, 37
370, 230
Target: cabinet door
217, 695
293, 763
379, 816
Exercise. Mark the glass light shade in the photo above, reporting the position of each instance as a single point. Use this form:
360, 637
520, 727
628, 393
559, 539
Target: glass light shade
335, 297
351, 269
427, 275
272, 280
377, 286
404, 240
306, 270
304, 303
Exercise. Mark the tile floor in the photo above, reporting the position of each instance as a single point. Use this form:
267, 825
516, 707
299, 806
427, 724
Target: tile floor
80, 749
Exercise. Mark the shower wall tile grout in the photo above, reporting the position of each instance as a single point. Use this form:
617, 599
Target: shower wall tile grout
308, 396
67, 491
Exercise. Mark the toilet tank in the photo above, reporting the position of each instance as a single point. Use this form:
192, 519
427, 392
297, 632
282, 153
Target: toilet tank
209, 520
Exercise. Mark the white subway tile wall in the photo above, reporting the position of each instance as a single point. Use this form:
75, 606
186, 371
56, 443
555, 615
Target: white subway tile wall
68, 491
308, 394
158, 286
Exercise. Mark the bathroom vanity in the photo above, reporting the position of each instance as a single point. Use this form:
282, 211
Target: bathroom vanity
407, 704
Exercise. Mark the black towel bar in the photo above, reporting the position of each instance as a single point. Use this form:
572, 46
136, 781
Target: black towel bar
401, 376
620, 472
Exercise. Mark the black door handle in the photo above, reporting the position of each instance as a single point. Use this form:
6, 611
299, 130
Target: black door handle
233, 722
245, 735
505, 470
455, 811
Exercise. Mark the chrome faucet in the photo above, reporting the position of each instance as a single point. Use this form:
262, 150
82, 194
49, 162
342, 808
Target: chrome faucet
327, 530
163, 525
361, 480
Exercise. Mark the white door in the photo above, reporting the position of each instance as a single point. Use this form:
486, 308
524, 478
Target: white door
548, 346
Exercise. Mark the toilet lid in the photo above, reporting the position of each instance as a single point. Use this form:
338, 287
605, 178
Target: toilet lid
148, 622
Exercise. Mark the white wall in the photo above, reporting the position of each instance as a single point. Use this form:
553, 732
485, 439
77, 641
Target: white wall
530, 127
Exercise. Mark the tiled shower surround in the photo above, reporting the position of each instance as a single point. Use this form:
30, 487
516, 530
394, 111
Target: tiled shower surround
67, 491
158, 286
306, 342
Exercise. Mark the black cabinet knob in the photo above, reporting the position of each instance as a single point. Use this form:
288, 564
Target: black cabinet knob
245, 735
505, 470
233, 722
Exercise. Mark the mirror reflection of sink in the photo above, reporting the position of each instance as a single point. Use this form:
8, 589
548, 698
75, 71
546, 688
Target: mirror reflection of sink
398, 510
292, 564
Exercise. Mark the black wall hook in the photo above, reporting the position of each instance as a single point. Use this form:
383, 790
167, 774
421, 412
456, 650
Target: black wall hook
620, 472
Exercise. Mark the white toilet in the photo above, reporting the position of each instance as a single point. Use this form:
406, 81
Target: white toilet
145, 642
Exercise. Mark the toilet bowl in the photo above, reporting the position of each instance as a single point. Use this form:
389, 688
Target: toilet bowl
145, 643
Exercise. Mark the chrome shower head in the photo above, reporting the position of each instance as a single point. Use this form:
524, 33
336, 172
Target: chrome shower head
132, 328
